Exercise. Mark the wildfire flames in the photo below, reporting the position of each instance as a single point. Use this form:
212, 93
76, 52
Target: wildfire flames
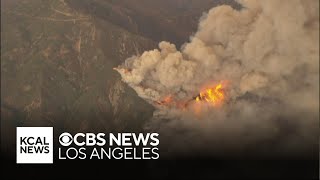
166, 101
214, 95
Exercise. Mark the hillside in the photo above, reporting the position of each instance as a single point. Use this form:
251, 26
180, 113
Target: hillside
57, 58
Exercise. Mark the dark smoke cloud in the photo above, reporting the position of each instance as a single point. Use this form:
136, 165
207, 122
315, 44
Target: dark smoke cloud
268, 52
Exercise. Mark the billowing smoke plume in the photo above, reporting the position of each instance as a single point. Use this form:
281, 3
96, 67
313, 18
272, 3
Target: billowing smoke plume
268, 55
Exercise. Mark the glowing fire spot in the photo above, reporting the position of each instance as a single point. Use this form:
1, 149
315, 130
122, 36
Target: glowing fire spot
213, 95
166, 101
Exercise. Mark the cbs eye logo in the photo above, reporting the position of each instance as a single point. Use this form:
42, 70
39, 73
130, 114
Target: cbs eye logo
65, 139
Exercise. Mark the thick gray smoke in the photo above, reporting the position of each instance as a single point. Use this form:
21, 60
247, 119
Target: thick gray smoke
268, 52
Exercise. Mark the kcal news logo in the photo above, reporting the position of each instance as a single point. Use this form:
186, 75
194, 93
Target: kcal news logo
34, 145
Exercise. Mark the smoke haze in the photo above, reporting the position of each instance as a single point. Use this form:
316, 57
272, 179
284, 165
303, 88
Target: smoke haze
266, 53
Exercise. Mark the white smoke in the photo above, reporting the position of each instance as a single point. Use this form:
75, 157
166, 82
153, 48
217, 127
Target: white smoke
268, 52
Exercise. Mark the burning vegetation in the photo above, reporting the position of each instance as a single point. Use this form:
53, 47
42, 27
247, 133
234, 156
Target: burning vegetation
214, 95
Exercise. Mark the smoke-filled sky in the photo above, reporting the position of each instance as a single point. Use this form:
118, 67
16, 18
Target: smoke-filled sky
268, 55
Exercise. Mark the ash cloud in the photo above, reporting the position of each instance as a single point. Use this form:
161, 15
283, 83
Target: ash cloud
268, 52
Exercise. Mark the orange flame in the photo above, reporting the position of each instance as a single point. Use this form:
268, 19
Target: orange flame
166, 101
213, 95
